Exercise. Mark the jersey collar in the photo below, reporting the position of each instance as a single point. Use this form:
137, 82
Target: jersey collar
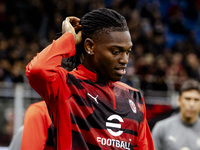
85, 73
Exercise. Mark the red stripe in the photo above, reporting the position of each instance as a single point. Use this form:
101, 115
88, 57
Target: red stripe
113, 97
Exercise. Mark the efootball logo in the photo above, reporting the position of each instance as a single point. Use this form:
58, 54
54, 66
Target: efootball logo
115, 127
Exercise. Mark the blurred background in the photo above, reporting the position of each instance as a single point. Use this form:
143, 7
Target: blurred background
166, 51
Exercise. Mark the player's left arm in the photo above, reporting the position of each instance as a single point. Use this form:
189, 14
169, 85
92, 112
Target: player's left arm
145, 141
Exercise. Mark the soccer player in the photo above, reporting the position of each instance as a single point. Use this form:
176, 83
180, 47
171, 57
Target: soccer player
89, 106
181, 131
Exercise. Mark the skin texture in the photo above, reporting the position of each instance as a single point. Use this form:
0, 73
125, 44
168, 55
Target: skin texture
189, 103
108, 54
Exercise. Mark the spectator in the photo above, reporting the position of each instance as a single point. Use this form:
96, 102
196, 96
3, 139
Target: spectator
176, 73
192, 66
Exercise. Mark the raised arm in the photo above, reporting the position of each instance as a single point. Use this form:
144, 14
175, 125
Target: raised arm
44, 70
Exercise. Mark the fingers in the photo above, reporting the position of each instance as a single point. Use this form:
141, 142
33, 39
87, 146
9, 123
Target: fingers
74, 21
78, 37
67, 27
70, 24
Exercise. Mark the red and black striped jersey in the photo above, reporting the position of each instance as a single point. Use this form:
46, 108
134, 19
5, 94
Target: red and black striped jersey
88, 113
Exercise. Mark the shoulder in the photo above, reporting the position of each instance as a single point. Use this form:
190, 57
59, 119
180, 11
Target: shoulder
165, 123
37, 109
37, 113
125, 86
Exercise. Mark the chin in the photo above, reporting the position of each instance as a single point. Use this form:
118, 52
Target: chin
190, 115
116, 79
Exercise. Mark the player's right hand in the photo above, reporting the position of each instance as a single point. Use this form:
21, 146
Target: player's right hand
71, 24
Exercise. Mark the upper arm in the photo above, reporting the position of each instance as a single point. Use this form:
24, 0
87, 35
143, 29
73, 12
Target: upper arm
44, 72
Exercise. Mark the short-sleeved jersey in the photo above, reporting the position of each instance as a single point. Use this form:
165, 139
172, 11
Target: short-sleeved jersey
88, 112
38, 129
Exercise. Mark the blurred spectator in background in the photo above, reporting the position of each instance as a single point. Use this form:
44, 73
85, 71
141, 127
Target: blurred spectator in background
176, 74
27, 27
175, 18
145, 69
181, 131
159, 82
6, 129
192, 66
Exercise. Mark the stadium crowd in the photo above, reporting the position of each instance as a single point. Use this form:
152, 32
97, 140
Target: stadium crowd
165, 36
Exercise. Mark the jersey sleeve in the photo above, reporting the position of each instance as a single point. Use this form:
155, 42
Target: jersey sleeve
44, 72
145, 141
36, 124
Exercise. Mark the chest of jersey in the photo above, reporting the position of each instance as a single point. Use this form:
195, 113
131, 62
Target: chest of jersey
103, 116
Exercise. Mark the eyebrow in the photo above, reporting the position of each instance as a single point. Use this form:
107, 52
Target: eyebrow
121, 47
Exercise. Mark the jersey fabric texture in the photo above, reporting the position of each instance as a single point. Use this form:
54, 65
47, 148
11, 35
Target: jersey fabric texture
38, 128
173, 134
87, 112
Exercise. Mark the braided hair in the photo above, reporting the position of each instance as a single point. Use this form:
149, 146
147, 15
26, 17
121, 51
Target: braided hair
94, 23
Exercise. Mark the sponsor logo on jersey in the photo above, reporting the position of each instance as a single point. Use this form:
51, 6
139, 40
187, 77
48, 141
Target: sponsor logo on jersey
133, 106
172, 138
113, 125
114, 143
110, 124
94, 98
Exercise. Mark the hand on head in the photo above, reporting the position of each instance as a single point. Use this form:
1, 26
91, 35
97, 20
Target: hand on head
70, 25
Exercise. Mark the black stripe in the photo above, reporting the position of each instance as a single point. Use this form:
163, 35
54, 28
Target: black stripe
73, 81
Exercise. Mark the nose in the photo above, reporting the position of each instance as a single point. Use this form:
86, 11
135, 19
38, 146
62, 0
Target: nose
124, 58
192, 103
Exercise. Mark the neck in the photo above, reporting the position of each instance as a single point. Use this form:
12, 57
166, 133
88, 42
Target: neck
87, 64
90, 66
189, 120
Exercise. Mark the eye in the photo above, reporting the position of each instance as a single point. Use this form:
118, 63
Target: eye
129, 51
115, 52
187, 98
197, 99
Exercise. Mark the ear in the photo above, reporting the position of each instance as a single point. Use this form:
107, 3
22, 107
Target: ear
89, 46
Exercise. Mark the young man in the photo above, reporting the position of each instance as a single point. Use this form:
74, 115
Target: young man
90, 108
181, 131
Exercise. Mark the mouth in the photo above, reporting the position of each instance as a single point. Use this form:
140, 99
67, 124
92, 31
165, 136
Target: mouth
120, 71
